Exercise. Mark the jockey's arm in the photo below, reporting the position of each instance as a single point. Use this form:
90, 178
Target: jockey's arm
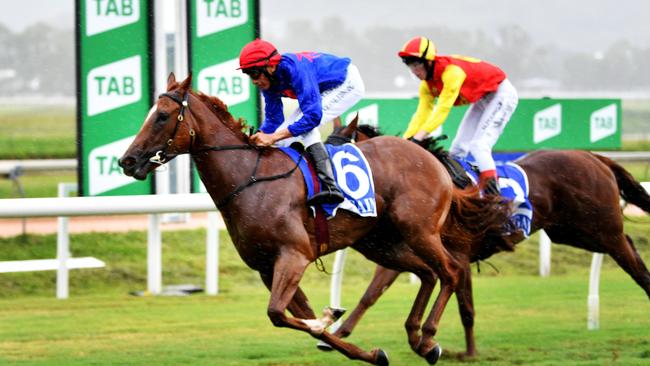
273, 112
452, 80
425, 106
305, 86
273, 118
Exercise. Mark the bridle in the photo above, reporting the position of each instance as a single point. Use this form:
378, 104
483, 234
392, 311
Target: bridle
160, 157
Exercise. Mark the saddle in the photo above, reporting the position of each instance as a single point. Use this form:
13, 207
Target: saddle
456, 171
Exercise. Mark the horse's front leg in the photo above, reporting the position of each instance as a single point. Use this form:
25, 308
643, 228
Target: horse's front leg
288, 270
299, 306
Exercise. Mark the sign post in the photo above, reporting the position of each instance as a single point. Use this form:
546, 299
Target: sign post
114, 90
217, 31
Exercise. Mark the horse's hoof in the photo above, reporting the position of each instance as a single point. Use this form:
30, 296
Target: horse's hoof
434, 355
382, 358
337, 313
324, 346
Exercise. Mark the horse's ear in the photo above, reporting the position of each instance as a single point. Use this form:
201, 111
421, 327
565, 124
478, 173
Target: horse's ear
171, 81
187, 83
354, 122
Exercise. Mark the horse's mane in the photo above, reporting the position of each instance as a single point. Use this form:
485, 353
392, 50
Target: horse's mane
369, 130
220, 109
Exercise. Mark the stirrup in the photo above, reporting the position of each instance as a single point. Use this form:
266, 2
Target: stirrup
326, 196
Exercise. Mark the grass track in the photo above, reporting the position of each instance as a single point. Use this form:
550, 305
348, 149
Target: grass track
521, 318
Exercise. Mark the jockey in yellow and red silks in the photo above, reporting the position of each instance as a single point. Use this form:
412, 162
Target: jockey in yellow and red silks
458, 80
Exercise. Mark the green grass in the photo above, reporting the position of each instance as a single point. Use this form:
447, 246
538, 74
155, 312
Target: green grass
30, 132
36, 184
636, 118
520, 321
521, 318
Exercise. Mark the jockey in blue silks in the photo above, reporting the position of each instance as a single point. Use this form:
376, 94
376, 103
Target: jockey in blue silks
325, 86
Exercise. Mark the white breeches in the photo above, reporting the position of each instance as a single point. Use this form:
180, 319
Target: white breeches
335, 102
482, 125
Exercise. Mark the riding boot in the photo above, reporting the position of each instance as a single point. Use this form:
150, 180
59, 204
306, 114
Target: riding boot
329, 192
488, 183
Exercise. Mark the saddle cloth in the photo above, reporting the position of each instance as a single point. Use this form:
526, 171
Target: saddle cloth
353, 177
513, 184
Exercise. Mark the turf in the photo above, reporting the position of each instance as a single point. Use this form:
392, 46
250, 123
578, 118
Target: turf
521, 318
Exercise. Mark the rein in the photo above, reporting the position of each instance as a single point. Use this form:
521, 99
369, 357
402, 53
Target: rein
253, 179
161, 156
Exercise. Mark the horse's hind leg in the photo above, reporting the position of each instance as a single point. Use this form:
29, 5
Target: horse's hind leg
288, 270
381, 280
466, 309
626, 255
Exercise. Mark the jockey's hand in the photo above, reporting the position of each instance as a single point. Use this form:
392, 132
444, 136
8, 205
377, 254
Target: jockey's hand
262, 139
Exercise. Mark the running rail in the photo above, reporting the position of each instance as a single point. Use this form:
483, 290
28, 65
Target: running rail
153, 205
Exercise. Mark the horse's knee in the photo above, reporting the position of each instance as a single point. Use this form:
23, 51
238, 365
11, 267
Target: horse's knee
276, 316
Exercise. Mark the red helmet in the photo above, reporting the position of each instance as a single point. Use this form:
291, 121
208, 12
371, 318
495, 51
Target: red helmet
258, 53
419, 47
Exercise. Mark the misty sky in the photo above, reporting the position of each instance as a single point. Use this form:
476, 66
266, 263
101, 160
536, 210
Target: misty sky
584, 25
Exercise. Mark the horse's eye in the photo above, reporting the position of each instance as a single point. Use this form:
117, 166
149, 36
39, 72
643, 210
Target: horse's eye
162, 117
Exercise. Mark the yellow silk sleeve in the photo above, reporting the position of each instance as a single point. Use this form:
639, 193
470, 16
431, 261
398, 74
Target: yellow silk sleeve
425, 107
452, 79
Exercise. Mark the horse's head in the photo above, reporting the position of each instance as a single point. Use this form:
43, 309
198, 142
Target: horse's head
352, 132
167, 131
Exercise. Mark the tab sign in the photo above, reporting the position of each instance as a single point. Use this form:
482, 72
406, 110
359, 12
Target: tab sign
104, 15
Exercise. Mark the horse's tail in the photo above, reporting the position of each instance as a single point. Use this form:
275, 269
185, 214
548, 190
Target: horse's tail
631, 190
471, 218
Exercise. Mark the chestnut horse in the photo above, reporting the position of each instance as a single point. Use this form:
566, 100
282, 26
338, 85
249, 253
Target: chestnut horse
262, 198
575, 198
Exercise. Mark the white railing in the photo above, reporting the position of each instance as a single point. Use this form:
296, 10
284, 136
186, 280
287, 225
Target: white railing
6, 166
121, 205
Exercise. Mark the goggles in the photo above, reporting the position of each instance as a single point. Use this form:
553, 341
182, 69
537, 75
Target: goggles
412, 61
253, 72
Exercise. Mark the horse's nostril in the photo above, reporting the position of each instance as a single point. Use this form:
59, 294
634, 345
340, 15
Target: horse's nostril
126, 162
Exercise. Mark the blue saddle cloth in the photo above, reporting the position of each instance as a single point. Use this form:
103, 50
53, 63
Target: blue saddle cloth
513, 184
353, 177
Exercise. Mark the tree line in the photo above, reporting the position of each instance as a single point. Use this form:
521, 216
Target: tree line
41, 59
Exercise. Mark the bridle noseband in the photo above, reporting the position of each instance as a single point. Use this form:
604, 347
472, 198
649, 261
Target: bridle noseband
160, 157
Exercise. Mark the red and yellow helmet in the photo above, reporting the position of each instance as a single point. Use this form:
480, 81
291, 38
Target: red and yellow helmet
258, 53
418, 47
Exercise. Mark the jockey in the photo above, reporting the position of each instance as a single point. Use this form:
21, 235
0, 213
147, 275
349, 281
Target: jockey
325, 87
458, 80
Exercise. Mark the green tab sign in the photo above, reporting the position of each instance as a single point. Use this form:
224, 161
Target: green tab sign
113, 77
218, 30
591, 124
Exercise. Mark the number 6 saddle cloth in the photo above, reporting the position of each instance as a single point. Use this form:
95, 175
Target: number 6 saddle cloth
353, 177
